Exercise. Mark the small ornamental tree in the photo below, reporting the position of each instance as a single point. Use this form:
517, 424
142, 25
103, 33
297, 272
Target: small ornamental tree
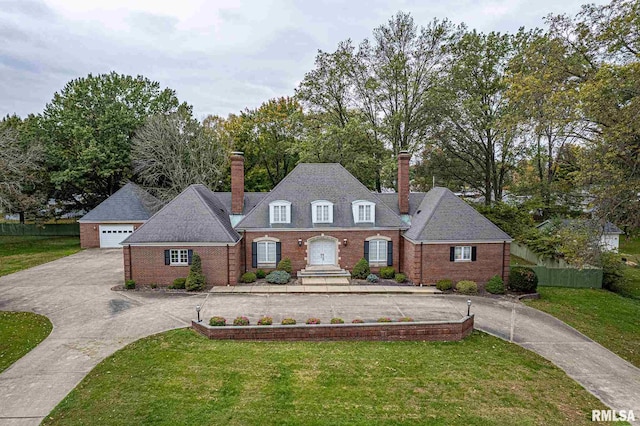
285, 265
196, 279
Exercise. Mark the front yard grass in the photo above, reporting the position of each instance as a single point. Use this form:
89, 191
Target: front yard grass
22, 252
606, 317
19, 333
180, 377
630, 285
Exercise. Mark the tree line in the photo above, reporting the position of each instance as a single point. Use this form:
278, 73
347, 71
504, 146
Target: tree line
550, 114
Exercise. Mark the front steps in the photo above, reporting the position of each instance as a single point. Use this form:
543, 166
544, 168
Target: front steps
324, 275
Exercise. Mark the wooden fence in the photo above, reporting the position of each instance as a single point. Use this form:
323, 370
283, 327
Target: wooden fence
52, 229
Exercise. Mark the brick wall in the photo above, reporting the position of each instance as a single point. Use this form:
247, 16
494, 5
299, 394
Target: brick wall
491, 260
145, 265
348, 255
90, 237
237, 183
418, 331
403, 182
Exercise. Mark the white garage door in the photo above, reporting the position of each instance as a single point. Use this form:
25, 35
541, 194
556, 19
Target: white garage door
112, 235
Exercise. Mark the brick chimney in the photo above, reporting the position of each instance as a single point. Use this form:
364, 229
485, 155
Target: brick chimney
403, 181
237, 182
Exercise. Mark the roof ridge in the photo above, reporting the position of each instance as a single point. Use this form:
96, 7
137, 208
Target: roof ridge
213, 215
433, 210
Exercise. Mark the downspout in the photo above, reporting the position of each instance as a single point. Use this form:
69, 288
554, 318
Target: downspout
504, 245
228, 280
421, 243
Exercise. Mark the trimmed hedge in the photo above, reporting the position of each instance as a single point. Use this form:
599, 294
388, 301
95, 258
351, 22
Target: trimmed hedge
467, 287
248, 277
495, 285
285, 265
523, 278
129, 284
400, 278
260, 274
361, 269
388, 272
444, 285
178, 283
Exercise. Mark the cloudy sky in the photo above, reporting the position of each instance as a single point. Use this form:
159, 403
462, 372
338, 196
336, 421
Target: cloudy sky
219, 56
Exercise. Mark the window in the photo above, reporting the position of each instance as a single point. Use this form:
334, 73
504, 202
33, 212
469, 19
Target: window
322, 211
364, 211
280, 212
378, 251
462, 253
179, 257
266, 252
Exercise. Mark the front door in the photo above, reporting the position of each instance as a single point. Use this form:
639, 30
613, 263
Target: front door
322, 252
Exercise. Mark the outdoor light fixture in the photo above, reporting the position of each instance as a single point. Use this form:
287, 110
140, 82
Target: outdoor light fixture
299, 242
468, 307
344, 242
198, 311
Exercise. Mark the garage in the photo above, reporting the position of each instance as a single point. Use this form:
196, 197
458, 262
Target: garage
112, 235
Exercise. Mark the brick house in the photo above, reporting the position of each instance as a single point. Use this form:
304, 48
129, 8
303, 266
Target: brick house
113, 220
323, 219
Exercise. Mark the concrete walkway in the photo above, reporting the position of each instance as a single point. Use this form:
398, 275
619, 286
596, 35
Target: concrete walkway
91, 322
318, 288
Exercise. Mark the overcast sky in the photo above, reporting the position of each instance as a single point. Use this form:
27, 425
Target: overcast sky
219, 56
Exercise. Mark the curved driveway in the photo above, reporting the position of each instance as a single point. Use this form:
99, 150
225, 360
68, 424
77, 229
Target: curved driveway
91, 322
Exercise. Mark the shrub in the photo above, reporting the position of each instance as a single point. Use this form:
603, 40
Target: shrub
372, 278
129, 284
337, 321
357, 321
288, 321
400, 278
385, 319
467, 287
612, 270
178, 283
153, 285
405, 319
444, 285
217, 321
285, 265
278, 277
260, 274
265, 321
241, 321
361, 269
196, 279
313, 321
248, 277
388, 272
522, 278
495, 285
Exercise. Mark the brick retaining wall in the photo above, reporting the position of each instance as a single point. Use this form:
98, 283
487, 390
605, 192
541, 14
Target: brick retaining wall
419, 331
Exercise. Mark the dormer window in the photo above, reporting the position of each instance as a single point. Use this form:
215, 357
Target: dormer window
322, 211
280, 212
364, 211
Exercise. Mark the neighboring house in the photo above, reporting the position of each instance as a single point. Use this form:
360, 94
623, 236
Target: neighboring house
324, 220
113, 220
609, 234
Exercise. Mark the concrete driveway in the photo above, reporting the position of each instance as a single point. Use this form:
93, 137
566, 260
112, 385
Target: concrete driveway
91, 322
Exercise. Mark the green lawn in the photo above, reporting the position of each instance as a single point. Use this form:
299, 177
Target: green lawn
606, 317
22, 252
630, 286
19, 333
180, 377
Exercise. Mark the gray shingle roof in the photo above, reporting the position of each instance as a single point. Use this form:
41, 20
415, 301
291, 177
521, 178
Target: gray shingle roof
129, 203
251, 199
309, 182
196, 215
442, 216
391, 200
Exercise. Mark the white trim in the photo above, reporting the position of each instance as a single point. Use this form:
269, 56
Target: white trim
113, 222
378, 262
321, 203
179, 253
280, 203
458, 242
462, 256
266, 262
378, 237
265, 238
180, 244
318, 229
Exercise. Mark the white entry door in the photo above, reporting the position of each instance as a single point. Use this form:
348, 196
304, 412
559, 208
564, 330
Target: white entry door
322, 252
112, 235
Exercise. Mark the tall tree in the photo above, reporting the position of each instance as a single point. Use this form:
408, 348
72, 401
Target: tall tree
173, 151
87, 130
480, 146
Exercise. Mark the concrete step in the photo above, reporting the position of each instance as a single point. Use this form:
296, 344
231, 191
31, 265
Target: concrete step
324, 281
330, 273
